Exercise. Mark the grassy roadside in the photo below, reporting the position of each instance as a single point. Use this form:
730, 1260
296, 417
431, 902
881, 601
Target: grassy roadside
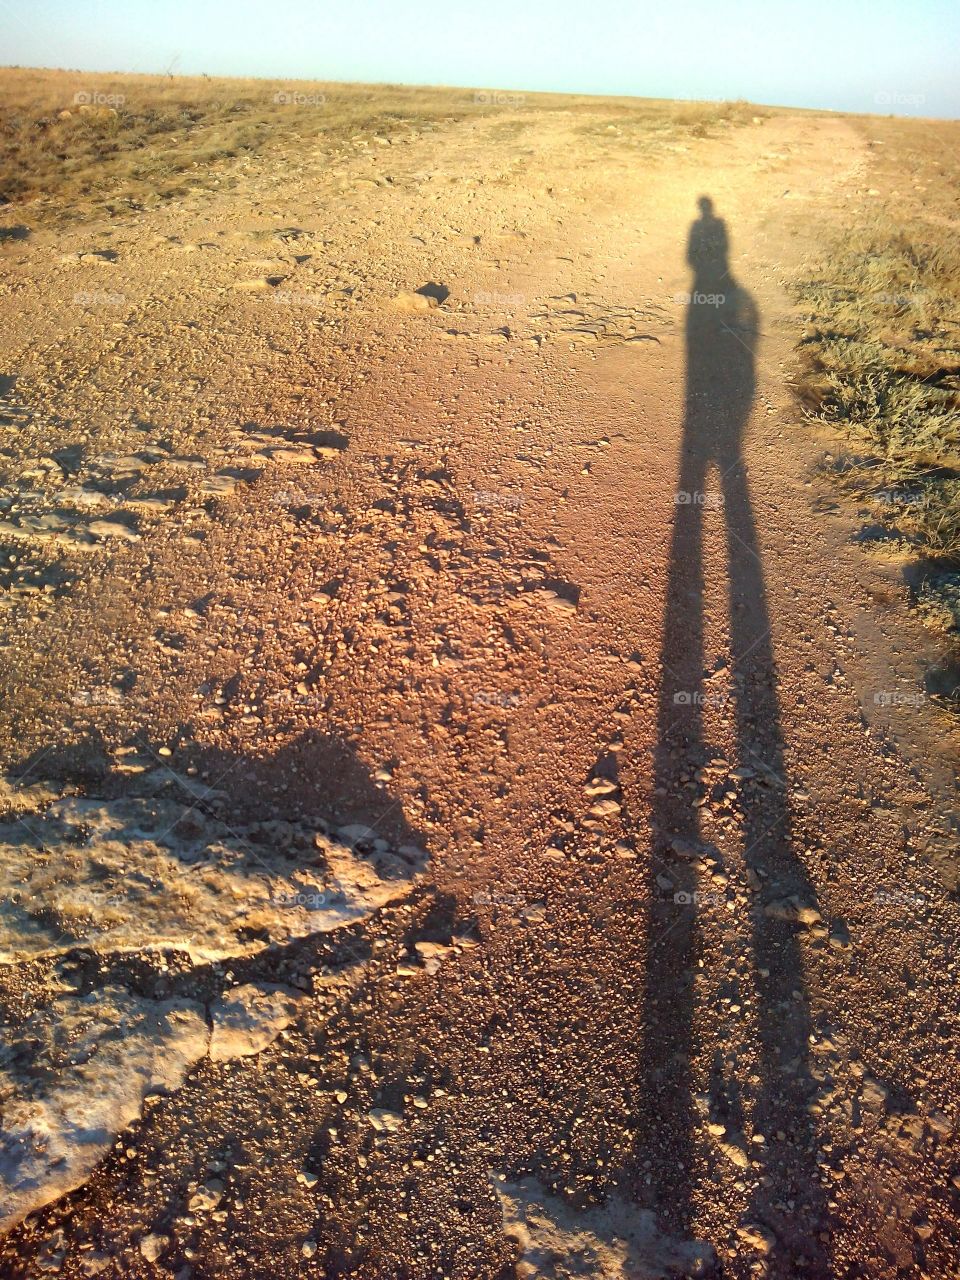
880, 361
74, 139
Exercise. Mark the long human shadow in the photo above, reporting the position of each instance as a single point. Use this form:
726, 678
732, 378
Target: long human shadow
721, 334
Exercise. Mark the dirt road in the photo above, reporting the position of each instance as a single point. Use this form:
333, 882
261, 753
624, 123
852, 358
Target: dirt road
653, 970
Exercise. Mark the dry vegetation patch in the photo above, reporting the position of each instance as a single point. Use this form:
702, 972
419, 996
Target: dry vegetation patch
75, 137
880, 360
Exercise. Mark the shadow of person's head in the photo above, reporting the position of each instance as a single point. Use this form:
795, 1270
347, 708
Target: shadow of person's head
707, 246
721, 330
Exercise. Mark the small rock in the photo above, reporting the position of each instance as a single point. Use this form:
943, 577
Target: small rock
290, 455
684, 849
873, 1092
839, 935
605, 808
248, 1018
384, 1121
735, 1151
152, 1246
207, 1196
113, 529
793, 910
411, 303
553, 601
219, 486
757, 1237
601, 787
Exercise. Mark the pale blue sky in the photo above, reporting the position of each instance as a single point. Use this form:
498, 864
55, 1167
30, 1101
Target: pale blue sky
899, 56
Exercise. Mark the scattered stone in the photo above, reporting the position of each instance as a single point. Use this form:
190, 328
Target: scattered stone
757, 1237
552, 600
839, 936
412, 303
152, 504
601, 787
733, 1147
684, 849
83, 496
792, 910
384, 1121
220, 485
432, 954
249, 1018
153, 1246
873, 1093
605, 808
207, 1196
113, 529
291, 455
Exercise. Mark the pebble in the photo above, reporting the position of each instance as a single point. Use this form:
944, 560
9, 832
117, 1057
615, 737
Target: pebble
113, 529
757, 1237
605, 808
207, 1196
152, 1246
409, 303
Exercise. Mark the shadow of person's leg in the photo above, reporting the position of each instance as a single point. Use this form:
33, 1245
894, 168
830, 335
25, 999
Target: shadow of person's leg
665, 1155
790, 1170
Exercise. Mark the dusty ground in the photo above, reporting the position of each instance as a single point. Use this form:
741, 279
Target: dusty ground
477, 854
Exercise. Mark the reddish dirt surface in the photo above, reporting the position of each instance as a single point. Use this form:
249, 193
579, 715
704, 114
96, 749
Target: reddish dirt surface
585, 636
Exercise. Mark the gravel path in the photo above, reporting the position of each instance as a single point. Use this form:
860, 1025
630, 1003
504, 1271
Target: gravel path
468, 806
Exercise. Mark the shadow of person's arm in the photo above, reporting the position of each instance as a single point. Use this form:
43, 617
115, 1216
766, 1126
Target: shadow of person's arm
745, 317
721, 243
694, 246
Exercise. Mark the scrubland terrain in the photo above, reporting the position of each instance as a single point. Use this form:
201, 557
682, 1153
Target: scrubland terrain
477, 726
881, 357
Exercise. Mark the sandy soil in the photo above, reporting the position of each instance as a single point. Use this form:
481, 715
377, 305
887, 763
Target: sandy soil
469, 807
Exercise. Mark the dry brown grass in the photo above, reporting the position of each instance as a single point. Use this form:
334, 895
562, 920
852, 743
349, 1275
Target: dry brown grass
143, 139
644, 122
881, 355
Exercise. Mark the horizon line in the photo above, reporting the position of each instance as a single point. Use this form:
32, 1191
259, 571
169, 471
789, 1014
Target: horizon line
487, 88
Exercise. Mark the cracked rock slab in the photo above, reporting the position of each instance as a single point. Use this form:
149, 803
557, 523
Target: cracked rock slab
247, 1019
154, 871
614, 1241
74, 1075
